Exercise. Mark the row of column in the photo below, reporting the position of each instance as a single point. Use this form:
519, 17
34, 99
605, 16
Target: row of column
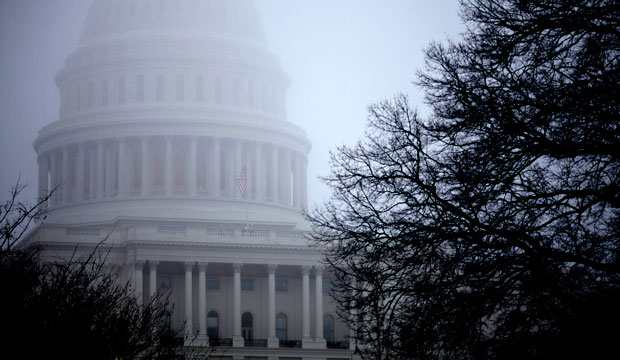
272, 340
166, 165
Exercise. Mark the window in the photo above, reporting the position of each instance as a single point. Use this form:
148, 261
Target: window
247, 326
104, 92
213, 325
247, 284
122, 95
218, 91
251, 94
164, 283
328, 327
159, 91
180, 88
213, 283
200, 88
90, 95
281, 327
327, 286
235, 100
281, 285
166, 320
140, 88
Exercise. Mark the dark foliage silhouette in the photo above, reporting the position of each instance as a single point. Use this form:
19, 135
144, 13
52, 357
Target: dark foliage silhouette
490, 230
72, 308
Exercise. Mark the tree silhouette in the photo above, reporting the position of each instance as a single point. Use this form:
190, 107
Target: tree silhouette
491, 229
73, 308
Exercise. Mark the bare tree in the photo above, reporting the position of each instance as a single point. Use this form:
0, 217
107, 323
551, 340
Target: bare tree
492, 229
75, 308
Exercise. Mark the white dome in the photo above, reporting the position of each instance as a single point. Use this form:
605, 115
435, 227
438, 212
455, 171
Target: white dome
163, 104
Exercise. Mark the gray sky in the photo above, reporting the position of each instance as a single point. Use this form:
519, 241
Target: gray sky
341, 55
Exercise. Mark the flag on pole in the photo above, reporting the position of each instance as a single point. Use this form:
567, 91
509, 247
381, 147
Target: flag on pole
242, 181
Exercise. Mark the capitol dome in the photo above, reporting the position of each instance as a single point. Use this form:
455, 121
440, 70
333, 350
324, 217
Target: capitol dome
163, 105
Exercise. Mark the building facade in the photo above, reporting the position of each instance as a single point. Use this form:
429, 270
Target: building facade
173, 154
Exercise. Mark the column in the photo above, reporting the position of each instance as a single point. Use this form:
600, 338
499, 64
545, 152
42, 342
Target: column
153, 277
65, 175
296, 180
192, 166
202, 304
188, 303
122, 168
214, 184
138, 268
80, 171
318, 273
287, 177
259, 173
238, 167
108, 171
169, 169
272, 340
305, 272
237, 338
304, 183
43, 180
100, 171
54, 178
92, 192
353, 319
145, 182
274, 174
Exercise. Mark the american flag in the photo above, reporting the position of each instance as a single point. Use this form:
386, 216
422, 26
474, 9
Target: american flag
242, 181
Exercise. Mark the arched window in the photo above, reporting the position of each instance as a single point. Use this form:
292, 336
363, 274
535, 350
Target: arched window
166, 321
281, 327
247, 326
213, 325
328, 327
159, 91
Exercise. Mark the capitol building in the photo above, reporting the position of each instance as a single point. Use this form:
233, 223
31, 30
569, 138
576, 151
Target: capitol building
173, 150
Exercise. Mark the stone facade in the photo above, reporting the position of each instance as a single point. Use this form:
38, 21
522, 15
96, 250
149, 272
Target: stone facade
173, 154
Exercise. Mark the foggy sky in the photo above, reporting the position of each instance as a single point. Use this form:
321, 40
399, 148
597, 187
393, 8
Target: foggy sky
341, 55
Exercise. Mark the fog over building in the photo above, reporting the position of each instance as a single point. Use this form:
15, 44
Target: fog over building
173, 144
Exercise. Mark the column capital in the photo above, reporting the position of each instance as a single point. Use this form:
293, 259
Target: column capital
202, 266
237, 267
189, 265
139, 264
305, 269
153, 264
271, 268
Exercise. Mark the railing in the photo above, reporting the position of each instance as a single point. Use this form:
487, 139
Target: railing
290, 343
255, 343
220, 341
338, 345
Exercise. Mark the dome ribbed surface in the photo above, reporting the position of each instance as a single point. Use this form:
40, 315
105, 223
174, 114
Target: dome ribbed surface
230, 18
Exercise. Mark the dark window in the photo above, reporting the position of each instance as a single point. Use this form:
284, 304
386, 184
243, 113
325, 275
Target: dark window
327, 286
213, 283
281, 285
247, 284
247, 326
213, 325
281, 327
328, 327
165, 282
